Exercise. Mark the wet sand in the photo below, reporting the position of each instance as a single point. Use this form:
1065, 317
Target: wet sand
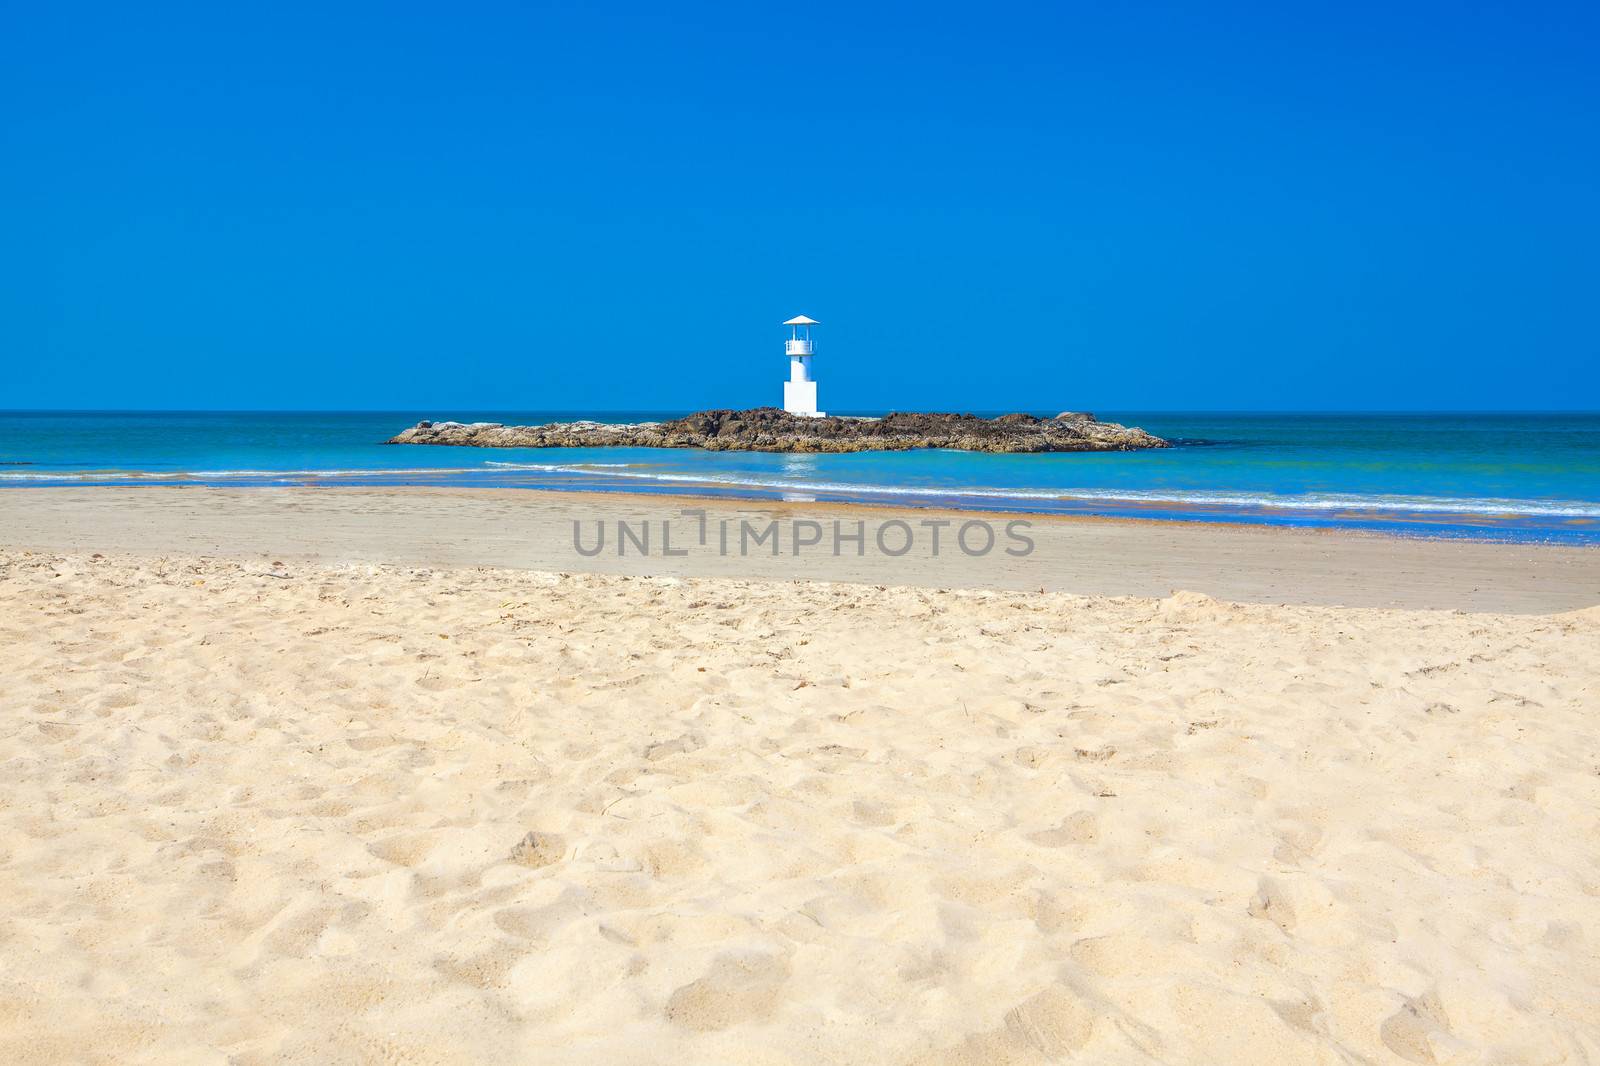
535, 531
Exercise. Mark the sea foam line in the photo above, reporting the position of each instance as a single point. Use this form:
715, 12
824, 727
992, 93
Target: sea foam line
1309, 501
1268, 501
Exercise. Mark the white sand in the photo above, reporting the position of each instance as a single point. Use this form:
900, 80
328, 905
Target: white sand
368, 814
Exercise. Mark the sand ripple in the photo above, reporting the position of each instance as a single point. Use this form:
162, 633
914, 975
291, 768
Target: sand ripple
258, 813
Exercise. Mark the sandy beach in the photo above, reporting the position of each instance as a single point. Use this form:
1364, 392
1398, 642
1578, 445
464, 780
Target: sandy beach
761, 535
535, 531
267, 809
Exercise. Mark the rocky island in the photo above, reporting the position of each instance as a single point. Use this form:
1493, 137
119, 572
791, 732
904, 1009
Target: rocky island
770, 429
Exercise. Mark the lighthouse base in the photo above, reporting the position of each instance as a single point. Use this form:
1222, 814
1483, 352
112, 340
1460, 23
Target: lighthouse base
800, 398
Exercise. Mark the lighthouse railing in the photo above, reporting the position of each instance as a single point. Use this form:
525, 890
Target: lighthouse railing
797, 346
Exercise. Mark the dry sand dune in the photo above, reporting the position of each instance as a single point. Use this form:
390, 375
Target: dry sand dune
368, 814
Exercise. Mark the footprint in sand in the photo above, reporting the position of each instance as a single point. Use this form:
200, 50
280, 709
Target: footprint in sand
1046, 1027
538, 849
1079, 827
1419, 1032
404, 849
737, 988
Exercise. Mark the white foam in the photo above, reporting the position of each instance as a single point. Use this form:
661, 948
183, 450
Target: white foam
1317, 502
1306, 502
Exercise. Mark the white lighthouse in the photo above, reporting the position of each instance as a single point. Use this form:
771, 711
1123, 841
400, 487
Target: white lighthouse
800, 391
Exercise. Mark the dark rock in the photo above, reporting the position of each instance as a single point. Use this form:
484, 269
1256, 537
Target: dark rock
769, 429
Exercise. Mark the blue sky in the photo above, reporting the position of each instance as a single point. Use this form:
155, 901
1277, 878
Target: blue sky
612, 206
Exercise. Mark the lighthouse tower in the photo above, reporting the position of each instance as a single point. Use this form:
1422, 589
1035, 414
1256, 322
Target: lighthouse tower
800, 391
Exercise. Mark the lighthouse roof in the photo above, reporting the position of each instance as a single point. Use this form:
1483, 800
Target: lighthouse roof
802, 320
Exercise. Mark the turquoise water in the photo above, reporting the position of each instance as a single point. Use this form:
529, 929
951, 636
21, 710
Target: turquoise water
1499, 476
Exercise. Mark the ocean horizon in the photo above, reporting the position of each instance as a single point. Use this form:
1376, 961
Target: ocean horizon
1523, 476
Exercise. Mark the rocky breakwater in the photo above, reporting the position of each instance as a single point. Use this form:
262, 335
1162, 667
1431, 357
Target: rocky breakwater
769, 429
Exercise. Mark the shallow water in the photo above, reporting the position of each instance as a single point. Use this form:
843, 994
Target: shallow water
1499, 476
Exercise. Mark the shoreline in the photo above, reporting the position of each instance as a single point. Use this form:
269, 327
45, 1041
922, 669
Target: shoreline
734, 497
1428, 520
516, 529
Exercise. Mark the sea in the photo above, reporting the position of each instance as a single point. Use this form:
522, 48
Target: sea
1493, 476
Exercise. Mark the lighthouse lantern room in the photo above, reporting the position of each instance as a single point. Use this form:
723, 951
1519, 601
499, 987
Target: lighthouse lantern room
800, 391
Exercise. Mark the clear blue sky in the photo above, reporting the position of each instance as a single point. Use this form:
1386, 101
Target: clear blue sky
988, 205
